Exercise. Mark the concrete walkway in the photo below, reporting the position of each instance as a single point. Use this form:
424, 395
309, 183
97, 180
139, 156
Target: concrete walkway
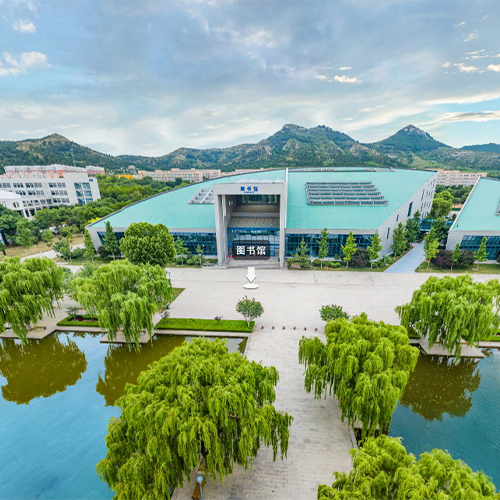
409, 262
51, 254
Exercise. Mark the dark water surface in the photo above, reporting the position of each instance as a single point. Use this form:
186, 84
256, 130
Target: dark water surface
56, 401
456, 408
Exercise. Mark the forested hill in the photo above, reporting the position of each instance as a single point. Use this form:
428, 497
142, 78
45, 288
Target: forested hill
292, 146
54, 149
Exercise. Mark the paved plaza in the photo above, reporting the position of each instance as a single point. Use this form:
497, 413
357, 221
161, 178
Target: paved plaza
319, 442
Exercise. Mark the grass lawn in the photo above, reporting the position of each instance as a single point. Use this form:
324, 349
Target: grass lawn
483, 269
16, 251
175, 293
68, 321
205, 325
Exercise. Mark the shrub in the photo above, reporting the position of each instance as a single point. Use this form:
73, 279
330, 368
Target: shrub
332, 312
316, 262
335, 264
466, 258
190, 262
102, 252
361, 258
180, 260
77, 253
442, 259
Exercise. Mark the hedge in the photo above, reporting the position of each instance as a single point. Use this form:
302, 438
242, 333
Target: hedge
205, 325
68, 321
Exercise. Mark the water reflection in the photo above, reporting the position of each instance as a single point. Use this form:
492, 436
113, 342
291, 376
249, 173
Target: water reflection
39, 368
438, 386
124, 364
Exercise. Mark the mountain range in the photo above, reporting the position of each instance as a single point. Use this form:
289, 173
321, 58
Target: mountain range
292, 146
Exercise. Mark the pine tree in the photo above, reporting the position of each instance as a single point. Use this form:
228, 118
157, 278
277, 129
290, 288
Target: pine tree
197, 403
365, 364
374, 248
323, 246
89, 246
301, 256
349, 249
382, 469
27, 291
199, 253
455, 256
431, 247
110, 243
399, 240
481, 254
450, 309
124, 296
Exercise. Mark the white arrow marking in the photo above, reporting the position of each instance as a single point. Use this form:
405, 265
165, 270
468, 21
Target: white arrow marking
251, 274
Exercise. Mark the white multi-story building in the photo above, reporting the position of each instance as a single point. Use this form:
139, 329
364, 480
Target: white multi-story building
458, 178
192, 175
48, 186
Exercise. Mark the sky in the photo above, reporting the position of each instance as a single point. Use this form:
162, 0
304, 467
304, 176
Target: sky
140, 77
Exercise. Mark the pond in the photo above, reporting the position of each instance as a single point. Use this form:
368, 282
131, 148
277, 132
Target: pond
57, 399
455, 408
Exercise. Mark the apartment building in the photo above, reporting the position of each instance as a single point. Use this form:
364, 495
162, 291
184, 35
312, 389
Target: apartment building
458, 178
192, 175
47, 186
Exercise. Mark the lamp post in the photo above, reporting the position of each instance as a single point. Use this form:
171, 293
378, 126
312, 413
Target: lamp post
199, 480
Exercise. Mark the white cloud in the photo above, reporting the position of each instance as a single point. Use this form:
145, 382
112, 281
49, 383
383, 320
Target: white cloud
24, 26
321, 77
213, 127
466, 69
27, 61
239, 120
471, 116
344, 68
446, 64
460, 25
345, 79
494, 67
470, 36
369, 110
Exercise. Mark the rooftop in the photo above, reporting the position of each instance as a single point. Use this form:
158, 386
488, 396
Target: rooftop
174, 210
480, 210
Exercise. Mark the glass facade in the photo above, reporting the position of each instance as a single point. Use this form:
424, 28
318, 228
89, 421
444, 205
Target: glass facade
207, 241
254, 235
492, 244
118, 236
335, 242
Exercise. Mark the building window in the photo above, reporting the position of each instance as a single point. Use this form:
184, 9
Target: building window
207, 241
335, 242
492, 245
388, 231
410, 206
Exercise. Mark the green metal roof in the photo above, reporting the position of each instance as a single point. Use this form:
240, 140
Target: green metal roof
480, 211
396, 186
172, 208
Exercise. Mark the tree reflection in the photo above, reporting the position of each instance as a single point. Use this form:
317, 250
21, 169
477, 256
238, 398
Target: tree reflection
123, 364
39, 368
439, 386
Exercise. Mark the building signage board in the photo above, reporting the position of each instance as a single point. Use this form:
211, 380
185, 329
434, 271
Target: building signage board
251, 250
249, 189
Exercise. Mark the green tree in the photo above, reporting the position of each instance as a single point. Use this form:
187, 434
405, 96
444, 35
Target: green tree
110, 243
481, 254
442, 204
323, 246
302, 254
63, 249
399, 240
147, 244
8, 222
3, 247
124, 296
332, 312
27, 291
440, 229
374, 248
180, 248
89, 246
365, 364
449, 309
349, 249
455, 256
199, 254
412, 228
47, 236
383, 470
431, 247
198, 402
23, 237
249, 309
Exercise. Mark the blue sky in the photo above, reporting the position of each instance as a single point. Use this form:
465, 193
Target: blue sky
138, 77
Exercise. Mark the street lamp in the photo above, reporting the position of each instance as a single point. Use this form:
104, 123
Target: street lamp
199, 480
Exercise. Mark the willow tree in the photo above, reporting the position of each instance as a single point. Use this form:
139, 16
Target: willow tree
124, 296
197, 402
365, 364
382, 469
449, 310
27, 291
